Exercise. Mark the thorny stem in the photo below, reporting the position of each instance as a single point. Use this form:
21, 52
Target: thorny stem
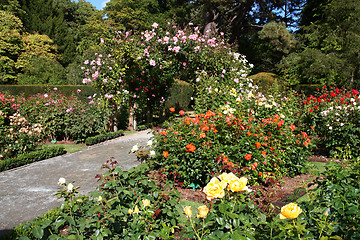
192, 226
297, 231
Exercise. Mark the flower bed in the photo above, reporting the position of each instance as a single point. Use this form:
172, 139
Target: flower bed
194, 149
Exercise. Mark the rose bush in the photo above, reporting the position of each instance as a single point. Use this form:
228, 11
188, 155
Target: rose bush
208, 143
65, 118
334, 114
18, 134
139, 68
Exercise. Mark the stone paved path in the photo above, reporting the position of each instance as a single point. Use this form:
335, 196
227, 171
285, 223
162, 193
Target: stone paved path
29, 191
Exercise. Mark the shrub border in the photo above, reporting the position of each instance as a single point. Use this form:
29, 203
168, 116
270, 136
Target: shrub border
103, 137
31, 157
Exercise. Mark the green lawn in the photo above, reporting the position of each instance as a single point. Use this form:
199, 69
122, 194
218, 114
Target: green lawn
68, 147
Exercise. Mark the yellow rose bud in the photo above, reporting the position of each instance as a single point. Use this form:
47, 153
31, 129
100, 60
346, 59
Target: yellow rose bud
203, 211
238, 184
136, 210
146, 202
292, 211
130, 211
215, 189
188, 211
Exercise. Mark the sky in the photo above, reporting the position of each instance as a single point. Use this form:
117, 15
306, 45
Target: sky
99, 4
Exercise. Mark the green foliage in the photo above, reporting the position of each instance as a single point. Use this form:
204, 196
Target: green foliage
30, 157
268, 83
180, 96
231, 217
330, 45
10, 45
103, 137
106, 213
41, 70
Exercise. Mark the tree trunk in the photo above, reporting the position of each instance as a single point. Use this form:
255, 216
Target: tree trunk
115, 128
131, 114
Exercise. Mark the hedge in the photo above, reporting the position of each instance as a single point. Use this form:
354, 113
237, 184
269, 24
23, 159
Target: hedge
31, 157
68, 90
103, 137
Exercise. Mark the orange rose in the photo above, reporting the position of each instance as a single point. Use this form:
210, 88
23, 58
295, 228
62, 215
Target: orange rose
258, 145
190, 148
247, 156
165, 154
172, 109
181, 112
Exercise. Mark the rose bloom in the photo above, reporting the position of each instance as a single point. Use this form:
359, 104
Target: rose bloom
61, 181
146, 202
226, 177
70, 187
203, 211
172, 109
190, 148
165, 154
292, 211
248, 156
188, 211
182, 113
136, 209
215, 189
236, 184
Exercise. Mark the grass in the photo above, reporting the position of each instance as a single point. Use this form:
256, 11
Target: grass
70, 148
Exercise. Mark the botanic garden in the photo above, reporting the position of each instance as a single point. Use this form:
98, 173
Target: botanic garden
217, 147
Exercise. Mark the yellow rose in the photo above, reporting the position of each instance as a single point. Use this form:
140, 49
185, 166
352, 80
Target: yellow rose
130, 211
203, 211
292, 211
146, 202
215, 189
238, 184
136, 210
188, 211
227, 177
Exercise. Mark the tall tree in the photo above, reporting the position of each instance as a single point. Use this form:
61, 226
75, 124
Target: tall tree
48, 17
10, 45
330, 45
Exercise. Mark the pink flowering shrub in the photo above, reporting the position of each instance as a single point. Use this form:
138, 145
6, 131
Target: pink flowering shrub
138, 69
18, 135
64, 118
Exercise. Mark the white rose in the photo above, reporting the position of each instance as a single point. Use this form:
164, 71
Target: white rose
61, 181
152, 153
135, 148
150, 142
70, 187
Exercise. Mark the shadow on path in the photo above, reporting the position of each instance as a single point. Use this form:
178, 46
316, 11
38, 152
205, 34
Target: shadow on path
29, 191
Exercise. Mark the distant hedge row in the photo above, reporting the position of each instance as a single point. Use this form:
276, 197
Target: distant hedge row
31, 157
103, 137
68, 90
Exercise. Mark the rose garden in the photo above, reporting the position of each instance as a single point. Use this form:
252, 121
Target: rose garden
237, 141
